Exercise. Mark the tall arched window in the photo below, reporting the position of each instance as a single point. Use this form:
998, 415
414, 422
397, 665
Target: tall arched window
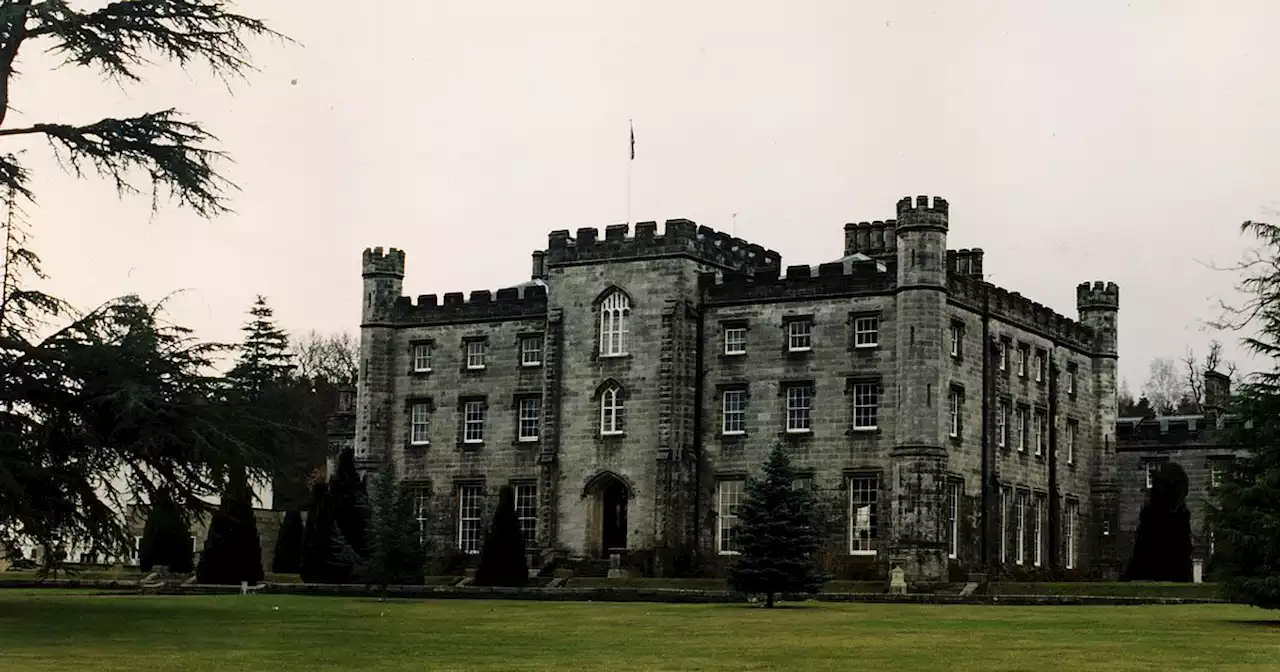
611, 411
615, 311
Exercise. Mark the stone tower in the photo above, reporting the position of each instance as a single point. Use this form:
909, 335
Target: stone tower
1098, 305
919, 462
383, 281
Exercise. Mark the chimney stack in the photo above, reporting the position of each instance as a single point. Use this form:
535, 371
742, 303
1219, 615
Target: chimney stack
1217, 390
539, 265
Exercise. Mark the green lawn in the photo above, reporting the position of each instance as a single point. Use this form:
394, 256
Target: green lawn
65, 630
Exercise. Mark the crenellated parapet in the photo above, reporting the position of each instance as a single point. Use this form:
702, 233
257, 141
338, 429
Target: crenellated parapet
377, 263
965, 262
680, 237
832, 280
1097, 296
1171, 432
1018, 310
871, 238
482, 305
922, 215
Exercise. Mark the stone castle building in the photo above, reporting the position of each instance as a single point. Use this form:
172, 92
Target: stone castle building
628, 389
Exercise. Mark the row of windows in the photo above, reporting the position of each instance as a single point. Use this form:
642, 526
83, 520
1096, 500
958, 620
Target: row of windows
1039, 363
863, 493
799, 335
475, 354
1032, 430
1031, 512
1218, 468
470, 528
528, 417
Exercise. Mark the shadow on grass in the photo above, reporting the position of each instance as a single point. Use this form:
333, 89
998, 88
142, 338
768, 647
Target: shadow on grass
1258, 624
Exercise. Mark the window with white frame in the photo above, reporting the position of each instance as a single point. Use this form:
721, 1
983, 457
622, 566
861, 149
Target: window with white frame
1038, 531
956, 336
866, 405
1071, 379
530, 351
863, 503
421, 504
799, 335
422, 357
615, 313
1004, 525
530, 418
1039, 364
1002, 424
802, 483
955, 406
473, 422
469, 531
527, 512
734, 412
954, 490
1021, 429
1042, 432
866, 332
475, 354
1023, 353
420, 423
799, 407
728, 499
1071, 514
735, 340
1070, 440
1004, 355
1020, 528
611, 411
1151, 467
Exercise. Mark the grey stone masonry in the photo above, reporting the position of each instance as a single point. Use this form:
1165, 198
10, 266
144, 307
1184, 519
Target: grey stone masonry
945, 424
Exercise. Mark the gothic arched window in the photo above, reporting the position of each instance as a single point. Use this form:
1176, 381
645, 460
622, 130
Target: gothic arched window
615, 312
611, 411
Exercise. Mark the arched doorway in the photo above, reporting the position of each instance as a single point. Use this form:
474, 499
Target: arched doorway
607, 495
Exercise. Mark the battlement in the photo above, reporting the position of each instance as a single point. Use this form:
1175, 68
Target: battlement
375, 262
481, 305
1097, 296
832, 279
871, 238
1018, 310
921, 214
965, 262
1176, 431
680, 237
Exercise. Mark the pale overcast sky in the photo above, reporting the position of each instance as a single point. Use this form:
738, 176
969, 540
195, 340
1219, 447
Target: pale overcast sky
1076, 140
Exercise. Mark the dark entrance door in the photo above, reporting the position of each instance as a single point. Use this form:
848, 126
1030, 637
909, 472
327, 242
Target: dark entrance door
614, 527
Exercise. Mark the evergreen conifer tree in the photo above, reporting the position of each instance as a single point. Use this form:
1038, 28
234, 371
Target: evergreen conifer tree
288, 553
166, 540
232, 551
317, 537
778, 535
351, 504
502, 560
395, 550
1162, 543
264, 359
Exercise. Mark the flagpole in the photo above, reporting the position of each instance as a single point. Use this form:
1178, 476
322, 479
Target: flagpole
631, 124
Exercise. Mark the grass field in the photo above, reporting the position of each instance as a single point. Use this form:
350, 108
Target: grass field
64, 630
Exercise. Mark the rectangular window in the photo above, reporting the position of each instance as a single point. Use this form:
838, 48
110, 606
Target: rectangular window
1020, 531
421, 504
1039, 364
419, 424
1002, 425
475, 354
530, 418
1038, 530
1022, 361
866, 332
1071, 379
1150, 467
527, 512
1021, 429
956, 338
531, 351
1070, 441
728, 499
734, 412
1218, 472
422, 357
469, 532
955, 412
1004, 355
799, 336
1004, 525
954, 490
473, 422
866, 404
799, 406
1042, 433
735, 341
802, 483
1072, 512
863, 504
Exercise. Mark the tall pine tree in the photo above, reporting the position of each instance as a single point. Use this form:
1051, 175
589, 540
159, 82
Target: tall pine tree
318, 538
502, 560
288, 552
1162, 543
232, 551
778, 535
264, 361
166, 539
395, 549
351, 504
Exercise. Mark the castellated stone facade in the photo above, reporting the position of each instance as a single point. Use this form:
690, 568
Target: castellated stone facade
628, 389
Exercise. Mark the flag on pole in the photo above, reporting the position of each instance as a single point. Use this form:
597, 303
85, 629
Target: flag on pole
633, 140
